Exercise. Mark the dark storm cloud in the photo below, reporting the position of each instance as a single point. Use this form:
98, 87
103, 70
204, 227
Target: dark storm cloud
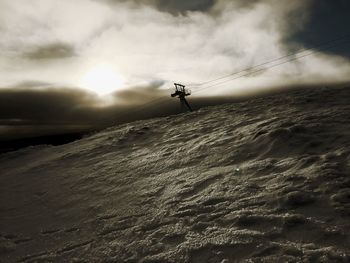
55, 110
50, 51
176, 6
327, 20
42, 105
43, 111
182, 6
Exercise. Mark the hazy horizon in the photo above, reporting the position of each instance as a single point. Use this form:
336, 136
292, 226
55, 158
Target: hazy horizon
65, 64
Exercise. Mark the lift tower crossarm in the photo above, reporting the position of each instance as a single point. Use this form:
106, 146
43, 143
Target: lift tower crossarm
181, 93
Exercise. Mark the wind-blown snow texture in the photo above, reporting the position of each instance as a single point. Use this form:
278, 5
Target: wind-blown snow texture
262, 180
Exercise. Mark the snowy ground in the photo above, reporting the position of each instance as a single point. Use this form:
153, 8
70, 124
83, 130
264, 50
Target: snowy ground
266, 180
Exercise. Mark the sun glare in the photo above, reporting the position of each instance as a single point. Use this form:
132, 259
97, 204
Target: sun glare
102, 80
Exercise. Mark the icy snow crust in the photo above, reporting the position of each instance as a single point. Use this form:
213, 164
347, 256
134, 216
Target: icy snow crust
265, 180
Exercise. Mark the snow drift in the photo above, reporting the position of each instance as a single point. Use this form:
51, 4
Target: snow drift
266, 179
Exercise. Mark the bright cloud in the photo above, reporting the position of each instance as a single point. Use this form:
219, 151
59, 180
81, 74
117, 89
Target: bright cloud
60, 42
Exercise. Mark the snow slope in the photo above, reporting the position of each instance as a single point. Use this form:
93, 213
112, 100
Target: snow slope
265, 180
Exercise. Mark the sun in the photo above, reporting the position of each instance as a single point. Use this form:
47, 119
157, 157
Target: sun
102, 80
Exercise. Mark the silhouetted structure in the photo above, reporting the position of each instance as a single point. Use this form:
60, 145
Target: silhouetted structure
181, 93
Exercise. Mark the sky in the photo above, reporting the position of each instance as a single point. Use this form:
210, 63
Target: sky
66, 64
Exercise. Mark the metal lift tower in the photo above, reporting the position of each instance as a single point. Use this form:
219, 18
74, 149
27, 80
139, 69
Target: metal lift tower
182, 93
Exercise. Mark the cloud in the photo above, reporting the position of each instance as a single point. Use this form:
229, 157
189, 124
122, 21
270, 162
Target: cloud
185, 41
140, 94
175, 7
50, 51
201, 46
181, 6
